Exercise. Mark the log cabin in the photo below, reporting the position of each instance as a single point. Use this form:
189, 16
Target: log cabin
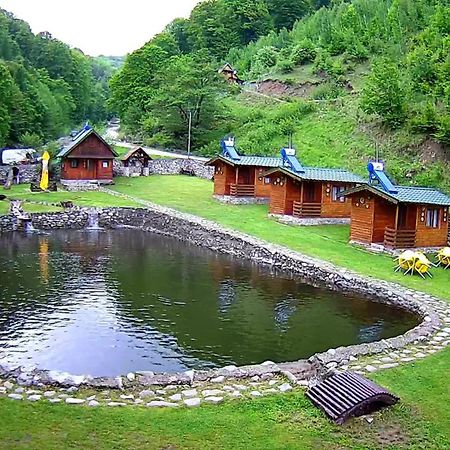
87, 158
230, 74
238, 175
397, 217
136, 162
309, 192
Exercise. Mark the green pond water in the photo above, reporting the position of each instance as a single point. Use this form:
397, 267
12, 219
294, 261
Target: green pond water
111, 302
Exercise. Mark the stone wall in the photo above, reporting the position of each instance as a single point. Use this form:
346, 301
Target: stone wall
185, 227
28, 173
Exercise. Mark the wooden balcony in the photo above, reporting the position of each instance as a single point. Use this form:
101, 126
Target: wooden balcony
399, 238
307, 209
242, 190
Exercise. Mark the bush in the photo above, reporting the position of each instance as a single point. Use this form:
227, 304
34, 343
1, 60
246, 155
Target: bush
303, 52
285, 66
31, 140
327, 91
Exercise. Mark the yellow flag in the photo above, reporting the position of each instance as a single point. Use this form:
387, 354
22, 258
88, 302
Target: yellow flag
44, 177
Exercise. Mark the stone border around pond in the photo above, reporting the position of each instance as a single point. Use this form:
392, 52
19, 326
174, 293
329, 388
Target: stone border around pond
431, 335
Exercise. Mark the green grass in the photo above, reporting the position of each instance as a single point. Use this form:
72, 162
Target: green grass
329, 242
421, 420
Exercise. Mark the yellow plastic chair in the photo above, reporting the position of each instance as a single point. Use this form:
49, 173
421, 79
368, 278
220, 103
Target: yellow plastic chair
443, 257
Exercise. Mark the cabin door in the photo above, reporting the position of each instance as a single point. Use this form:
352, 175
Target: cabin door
91, 167
407, 217
311, 193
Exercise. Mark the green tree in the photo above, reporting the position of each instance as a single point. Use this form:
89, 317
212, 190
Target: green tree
383, 93
286, 12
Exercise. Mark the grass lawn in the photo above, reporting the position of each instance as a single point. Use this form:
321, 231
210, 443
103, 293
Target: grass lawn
421, 420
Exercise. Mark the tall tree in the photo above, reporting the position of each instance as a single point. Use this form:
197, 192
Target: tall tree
286, 12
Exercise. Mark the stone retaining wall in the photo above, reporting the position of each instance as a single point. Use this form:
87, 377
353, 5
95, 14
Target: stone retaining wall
28, 173
208, 234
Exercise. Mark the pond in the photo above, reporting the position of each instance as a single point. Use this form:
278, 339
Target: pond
111, 302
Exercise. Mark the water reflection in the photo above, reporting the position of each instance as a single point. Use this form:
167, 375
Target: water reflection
116, 301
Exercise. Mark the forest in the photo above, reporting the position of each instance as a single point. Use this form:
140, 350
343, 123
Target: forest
385, 63
46, 88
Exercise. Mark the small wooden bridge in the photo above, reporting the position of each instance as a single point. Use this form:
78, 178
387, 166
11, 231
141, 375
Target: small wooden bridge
347, 394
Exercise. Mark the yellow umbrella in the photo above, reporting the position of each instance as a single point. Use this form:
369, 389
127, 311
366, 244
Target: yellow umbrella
44, 177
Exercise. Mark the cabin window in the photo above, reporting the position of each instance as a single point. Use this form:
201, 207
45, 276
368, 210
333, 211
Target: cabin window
74, 163
335, 194
266, 180
433, 218
105, 164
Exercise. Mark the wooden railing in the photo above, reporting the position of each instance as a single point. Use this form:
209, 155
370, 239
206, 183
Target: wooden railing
242, 190
307, 209
399, 238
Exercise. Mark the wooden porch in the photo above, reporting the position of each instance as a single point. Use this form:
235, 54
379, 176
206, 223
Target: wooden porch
302, 210
394, 238
242, 190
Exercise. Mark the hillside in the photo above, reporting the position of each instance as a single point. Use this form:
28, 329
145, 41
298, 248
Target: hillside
348, 81
46, 87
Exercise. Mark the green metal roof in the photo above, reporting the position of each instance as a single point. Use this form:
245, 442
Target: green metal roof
321, 174
407, 194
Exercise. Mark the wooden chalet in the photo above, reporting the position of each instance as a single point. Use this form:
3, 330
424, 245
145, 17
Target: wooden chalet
136, 162
397, 216
87, 158
309, 192
230, 74
237, 175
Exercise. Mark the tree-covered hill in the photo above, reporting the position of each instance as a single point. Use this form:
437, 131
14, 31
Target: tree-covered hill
357, 78
45, 86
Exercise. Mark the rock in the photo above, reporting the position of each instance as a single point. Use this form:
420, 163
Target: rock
228, 388
293, 379
240, 387
138, 401
8, 385
255, 378
190, 374
235, 394
127, 397
270, 391
92, 397
75, 401
162, 404
19, 390
93, 403
420, 355
146, 393
273, 382
48, 394
175, 397
189, 393
211, 392
192, 402
116, 404
388, 366
131, 376
161, 391
54, 400
220, 379
63, 396
268, 363
285, 387
370, 368
255, 394
72, 390
34, 398
214, 400
15, 396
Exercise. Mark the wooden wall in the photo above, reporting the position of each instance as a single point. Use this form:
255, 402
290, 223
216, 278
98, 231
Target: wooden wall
220, 176
92, 147
88, 169
283, 194
385, 213
431, 237
335, 209
362, 217
262, 189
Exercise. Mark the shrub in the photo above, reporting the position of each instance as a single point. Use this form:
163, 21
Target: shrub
303, 52
32, 140
285, 65
327, 91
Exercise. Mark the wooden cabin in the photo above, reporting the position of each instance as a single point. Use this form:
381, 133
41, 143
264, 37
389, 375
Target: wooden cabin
230, 74
309, 192
87, 158
136, 162
397, 217
237, 175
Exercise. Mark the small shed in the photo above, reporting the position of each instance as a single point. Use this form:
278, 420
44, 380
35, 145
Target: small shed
136, 162
309, 192
87, 158
237, 175
397, 217
230, 74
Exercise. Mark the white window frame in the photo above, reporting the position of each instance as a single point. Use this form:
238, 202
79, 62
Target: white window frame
335, 190
105, 164
433, 218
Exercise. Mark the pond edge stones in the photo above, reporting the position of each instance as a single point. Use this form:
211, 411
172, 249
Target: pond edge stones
431, 335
